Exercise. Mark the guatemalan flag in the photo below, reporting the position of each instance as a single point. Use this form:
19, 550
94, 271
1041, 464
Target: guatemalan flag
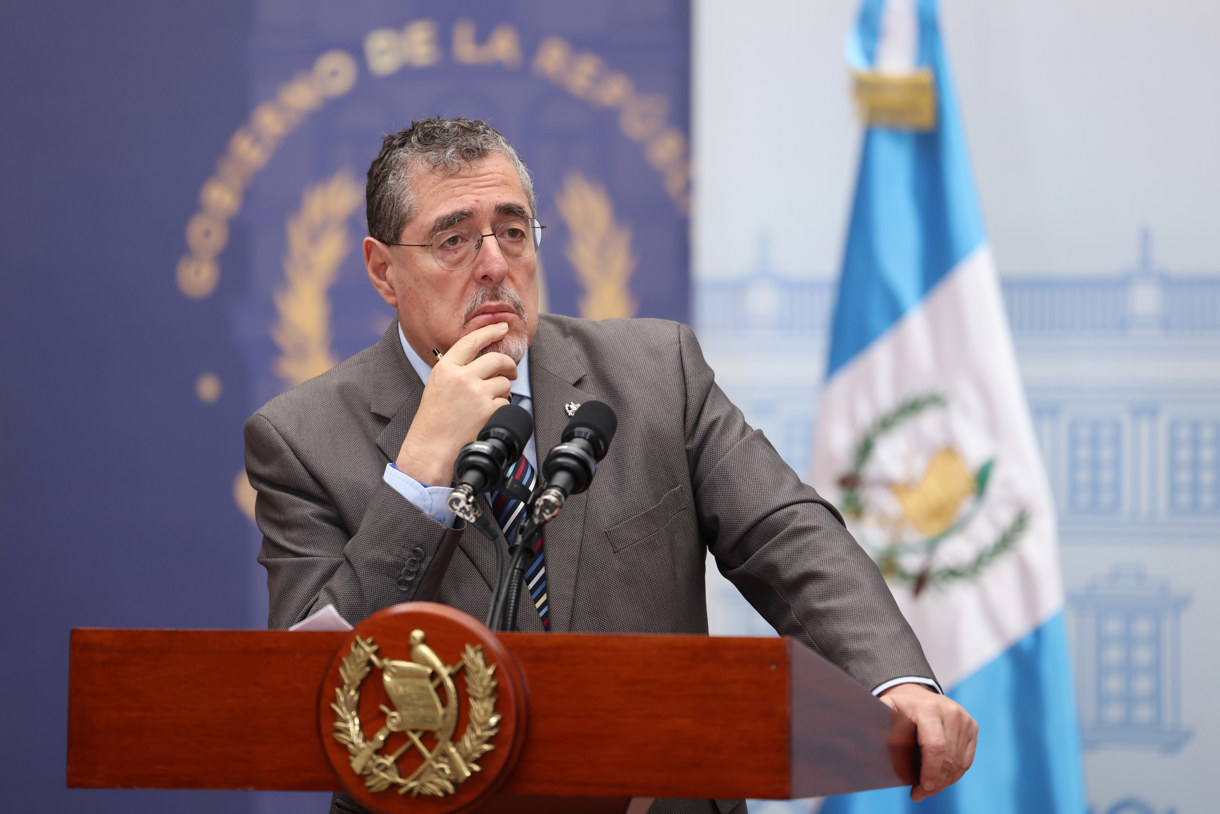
924, 438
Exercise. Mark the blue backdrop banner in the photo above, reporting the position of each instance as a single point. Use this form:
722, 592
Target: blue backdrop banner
182, 209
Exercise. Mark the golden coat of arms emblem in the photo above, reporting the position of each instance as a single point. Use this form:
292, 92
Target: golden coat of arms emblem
426, 706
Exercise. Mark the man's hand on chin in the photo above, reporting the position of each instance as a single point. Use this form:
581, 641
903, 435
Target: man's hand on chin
945, 732
465, 388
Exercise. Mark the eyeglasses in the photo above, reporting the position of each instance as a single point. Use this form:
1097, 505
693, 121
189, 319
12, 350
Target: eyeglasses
455, 249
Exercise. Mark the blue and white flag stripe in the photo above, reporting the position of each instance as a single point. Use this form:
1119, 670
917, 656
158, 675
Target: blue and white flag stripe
925, 236
922, 366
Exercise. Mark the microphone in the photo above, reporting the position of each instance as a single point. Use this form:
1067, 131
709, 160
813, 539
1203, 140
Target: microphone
481, 463
571, 464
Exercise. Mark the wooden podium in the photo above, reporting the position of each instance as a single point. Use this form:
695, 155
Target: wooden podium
602, 718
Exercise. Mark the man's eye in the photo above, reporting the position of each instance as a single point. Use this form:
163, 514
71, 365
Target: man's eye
449, 242
512, 233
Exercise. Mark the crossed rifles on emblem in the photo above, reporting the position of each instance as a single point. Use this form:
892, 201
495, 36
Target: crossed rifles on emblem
411, 685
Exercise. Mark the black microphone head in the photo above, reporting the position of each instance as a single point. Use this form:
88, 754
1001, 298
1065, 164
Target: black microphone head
594, 421
511, 424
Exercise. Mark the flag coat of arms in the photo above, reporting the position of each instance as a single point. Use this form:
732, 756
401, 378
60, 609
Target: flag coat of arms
924, 438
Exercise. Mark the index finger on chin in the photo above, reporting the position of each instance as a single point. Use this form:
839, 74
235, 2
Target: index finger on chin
467, 348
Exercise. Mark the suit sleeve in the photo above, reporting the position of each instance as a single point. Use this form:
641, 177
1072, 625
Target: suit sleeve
782, 545
360, 557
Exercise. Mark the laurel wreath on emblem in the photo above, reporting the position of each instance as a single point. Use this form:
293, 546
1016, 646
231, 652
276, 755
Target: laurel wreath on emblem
888, 558
600, 249
443, 767
318, 241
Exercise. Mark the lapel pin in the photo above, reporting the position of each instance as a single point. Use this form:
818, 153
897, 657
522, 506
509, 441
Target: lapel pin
570, 408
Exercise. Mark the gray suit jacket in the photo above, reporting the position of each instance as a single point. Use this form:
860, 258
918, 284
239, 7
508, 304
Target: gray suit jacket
685, 475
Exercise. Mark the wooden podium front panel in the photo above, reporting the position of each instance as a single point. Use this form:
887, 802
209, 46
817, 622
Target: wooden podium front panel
608, 715
660, 716
205, 709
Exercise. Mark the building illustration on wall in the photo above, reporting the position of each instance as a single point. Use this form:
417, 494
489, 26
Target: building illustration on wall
1122, 376
1127, 661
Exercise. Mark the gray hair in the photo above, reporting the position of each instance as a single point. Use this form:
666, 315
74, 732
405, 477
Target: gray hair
451, 144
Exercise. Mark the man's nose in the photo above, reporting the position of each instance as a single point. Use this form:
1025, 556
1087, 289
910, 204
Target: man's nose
490, 266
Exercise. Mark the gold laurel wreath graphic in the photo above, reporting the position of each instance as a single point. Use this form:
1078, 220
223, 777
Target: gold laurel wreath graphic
318, 241
435, 777
599, 250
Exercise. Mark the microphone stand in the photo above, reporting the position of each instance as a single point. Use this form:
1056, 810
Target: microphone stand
496, 620
507, 597
488, 530
508, 593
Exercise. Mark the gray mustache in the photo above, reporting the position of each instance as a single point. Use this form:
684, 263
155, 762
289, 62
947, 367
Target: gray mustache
500, 293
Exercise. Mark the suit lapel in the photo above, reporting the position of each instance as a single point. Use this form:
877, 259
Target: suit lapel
554, 372
395, 391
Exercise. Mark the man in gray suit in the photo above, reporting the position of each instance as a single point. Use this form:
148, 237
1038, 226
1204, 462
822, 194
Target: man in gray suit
352, 468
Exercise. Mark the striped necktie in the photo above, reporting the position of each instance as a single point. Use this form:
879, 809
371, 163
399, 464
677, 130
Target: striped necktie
510, 513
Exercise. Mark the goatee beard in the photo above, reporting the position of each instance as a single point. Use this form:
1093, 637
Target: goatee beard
513, 346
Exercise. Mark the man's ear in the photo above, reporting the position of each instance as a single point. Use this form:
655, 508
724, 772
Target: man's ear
377, 262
